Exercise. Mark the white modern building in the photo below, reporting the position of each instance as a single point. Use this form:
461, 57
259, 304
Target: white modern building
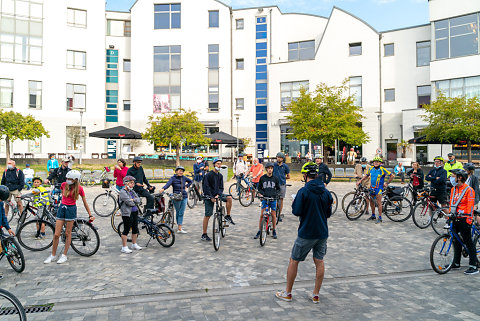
232, 66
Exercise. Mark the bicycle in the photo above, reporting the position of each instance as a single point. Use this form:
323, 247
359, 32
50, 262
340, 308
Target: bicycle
335, 201
14, 210
105, 204
422, 212
246, 196
10, 307
194, 194
267, 225
219, 224
13, 252
346, 198
234, 190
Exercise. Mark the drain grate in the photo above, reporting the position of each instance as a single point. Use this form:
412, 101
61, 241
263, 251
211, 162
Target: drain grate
39, 308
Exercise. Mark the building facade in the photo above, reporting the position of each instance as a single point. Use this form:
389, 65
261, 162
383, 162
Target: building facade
237, 68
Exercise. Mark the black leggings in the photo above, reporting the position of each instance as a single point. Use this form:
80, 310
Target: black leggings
130, 222
465, 230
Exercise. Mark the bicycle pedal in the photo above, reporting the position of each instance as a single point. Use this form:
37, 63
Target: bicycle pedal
225, 225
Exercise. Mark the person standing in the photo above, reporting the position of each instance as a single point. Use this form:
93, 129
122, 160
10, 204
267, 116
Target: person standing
438, 179
451, 164
179, 185
282, 172
257, 171
240, 170
324, 173
120, 172
14, 179
351, 155
313, 206
199, 169
399, 171
361, 171
28, 173
417, 178
137, 172
129, 202
59, 174
269, 187
472, 181
52, 164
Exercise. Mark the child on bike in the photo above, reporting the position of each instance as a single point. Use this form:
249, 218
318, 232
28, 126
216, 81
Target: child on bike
40, 192
269, 186
129, 202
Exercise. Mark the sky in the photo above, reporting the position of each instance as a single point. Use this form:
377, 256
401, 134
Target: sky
380, 14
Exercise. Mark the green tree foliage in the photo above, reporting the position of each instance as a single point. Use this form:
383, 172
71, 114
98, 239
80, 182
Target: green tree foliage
15, 126
327, 114
175, 128
453, 119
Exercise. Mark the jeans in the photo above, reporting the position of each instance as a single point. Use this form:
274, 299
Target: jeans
28, 182
239, 182
402, 176
180, 210
144, 193
465, 230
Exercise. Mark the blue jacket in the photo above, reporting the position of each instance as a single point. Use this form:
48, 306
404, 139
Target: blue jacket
198, 173
178, 184
313, 205
213, 184
439, 184
281, 172
3, 217
52, 164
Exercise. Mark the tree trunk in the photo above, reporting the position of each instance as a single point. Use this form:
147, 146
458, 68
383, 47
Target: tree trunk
324, 154
177, 152
469, 150
7, 148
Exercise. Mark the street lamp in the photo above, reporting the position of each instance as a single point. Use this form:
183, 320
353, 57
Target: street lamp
237, 117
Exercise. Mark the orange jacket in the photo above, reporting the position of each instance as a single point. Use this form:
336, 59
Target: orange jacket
256, 170
465, 208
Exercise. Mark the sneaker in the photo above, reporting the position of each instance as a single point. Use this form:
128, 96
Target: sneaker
471, 271
315, 298
257, 235
206, 238
371, 218
282, 295
455, 266
229, 219
136, 247
446, 226
379, 220
126, 250
50, 259
274, 234
181, 231
62, 259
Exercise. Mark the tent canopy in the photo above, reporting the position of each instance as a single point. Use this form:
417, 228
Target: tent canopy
119, 132
224, 139
423, 140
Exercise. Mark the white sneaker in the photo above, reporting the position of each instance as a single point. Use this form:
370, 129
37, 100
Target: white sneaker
136, 247
62, 259
182, 231
126, 250
50, 259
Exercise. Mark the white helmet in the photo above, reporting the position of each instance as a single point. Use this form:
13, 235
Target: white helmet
73, 174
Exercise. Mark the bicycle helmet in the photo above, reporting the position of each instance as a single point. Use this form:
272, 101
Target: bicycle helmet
73, 174
460, 172
215, 160
37, 178
377, 159
309, 168
180, 167
318, 157
281, 155
200, 157
137, 159
128, 179
469, 167
269, 164
450, 154
440, 158
4, 193
363, 160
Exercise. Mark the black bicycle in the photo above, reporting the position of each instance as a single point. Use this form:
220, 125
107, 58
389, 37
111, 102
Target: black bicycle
219, 224
194, 194
10, 307
12, 251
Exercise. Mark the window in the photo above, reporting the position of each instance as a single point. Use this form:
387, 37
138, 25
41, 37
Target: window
423, 53
76, 137
167, 16
111, 113
389, 95
126, 65
468, 87
213, 19
240, 24
240, 103
290, 91
35, 146
457, 37
213, 78
35, 94
304, 50
76, 97
6, 93
128, 29
389, 49
76, 59
355, 49
112, 66
423, 95
126, 105
166, 78
115, 28
211, 130
240, 64
77, 18
356, 90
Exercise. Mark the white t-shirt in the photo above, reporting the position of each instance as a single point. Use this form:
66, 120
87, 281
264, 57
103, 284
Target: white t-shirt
28, 173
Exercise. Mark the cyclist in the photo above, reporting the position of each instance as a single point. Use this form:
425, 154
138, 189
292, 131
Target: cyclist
212, 191
282, 172
257, 171
452, 164
377, 176
59, 174
40, 192
462, 199
472, 181
199, 169
269, 186
4, 195
67, 213
324, 173
120, 172
137, 172
313, 205
14, 179
240, 170
129, 202
438, 179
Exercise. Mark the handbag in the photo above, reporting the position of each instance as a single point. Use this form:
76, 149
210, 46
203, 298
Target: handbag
179, 196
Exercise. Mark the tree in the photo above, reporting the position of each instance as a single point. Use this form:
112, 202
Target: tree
176, 128
326, 115
77, 136
452, 120
404, 146
247, 141
15, 126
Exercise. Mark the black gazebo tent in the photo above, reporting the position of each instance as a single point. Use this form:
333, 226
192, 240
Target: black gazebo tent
224, 139
119, 132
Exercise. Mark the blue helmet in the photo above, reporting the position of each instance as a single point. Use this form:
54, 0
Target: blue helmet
216, 160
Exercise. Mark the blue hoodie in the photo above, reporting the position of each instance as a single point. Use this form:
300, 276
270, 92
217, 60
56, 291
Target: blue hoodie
313, 205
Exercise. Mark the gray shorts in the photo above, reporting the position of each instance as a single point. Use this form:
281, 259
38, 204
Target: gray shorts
302, 247
209, 205
283, 191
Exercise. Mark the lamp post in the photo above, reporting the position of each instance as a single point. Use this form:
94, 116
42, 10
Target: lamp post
81, 137
237, 117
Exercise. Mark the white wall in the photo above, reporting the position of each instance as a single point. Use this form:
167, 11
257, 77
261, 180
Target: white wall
442, 9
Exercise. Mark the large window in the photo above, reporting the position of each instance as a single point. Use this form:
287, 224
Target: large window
76, 59
118, 28
423, 95
76, 137
6, 93
388, 49
240, 23
76, 97
468, 87
423, 53
167, 16
290, 91
389, 95
77, 18
213, 19
356, 90
303, 50
457, 37
167, 76
213, 77
35, 94
355, 49
290, 145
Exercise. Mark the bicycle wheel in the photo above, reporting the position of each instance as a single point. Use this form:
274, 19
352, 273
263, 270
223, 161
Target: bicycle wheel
263, 232
10, 307
216, 231
30, 236
422, 215
192, 198
104, 205
346, 200
335, 202
14, 254
167, 218
442, 253
439, 220
246, 197
85, 239
356, 208
116, 219
165, 235
398, 210
477, 246
223, 230
232, 190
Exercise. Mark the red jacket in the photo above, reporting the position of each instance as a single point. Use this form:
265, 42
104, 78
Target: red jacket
120, 174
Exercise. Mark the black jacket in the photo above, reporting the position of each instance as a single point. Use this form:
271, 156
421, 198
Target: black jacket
420, 175
139, 175
440, 183
269, 186
59, 174
473, 182
324, 173
213, 184
13, 179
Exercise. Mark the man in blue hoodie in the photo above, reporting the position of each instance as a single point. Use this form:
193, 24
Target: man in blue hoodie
313, 205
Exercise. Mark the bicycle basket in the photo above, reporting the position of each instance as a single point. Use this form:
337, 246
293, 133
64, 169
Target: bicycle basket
106, 183
160, 202
395, 192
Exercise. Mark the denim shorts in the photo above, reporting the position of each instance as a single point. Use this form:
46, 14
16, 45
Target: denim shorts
209, 205
67, 212
271, 204
302, 247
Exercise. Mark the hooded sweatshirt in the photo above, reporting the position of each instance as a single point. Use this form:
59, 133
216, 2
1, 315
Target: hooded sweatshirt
313, 205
